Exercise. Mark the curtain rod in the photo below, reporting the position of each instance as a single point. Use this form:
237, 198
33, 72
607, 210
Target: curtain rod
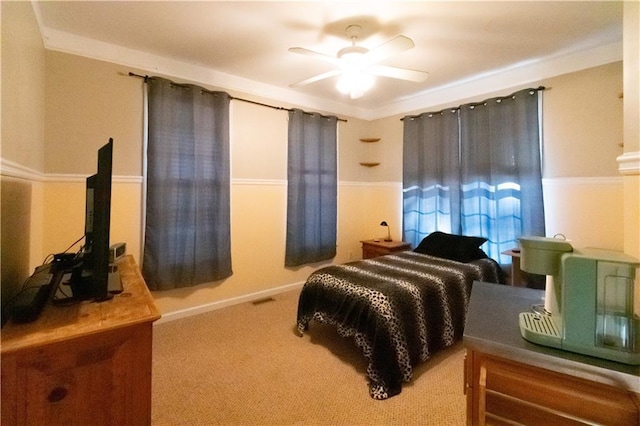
475, 104
146, 77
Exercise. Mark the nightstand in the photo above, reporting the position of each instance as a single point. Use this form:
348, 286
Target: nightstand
374, 248
520, 278
515, 276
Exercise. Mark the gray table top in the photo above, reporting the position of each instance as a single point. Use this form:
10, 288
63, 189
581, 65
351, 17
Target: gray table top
492, 327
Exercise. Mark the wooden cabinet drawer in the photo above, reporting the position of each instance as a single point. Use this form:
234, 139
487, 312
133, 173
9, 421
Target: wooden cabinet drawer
101, 379
373, 248
512, 393
87, 363
369, 252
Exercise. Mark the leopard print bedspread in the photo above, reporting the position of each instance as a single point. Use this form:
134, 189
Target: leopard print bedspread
399, 308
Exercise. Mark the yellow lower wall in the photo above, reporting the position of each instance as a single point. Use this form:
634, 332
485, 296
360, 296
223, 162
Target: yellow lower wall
258, 239
631, 209
258, 230
65, 214
16, 225
589, 211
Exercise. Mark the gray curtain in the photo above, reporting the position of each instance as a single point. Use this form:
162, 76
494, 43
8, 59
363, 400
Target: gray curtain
475, 170
187, 232
501, 171
431, 175
312, 190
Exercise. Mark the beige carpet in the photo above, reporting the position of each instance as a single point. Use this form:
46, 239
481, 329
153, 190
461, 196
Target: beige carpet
245, 365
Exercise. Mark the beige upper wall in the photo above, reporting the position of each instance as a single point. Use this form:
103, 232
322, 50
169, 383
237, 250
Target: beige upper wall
632, 130
582, 121
258, 152
631, 53
88, 102
22, 142
23, 86
584, 138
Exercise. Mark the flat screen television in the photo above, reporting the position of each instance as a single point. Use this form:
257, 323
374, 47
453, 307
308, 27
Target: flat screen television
91, 278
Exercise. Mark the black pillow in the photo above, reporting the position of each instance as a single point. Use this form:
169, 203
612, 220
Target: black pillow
453, 247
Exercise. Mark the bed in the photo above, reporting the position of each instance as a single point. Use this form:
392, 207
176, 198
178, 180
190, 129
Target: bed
399, 308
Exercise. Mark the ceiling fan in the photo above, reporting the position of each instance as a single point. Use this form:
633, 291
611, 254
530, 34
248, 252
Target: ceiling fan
357, 65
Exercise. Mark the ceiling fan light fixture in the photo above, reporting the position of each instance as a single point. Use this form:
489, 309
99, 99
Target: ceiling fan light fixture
358, 65
355, 83
352, 55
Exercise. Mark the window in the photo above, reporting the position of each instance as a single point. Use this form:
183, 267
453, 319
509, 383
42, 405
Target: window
312, 188
475, 170
187, 230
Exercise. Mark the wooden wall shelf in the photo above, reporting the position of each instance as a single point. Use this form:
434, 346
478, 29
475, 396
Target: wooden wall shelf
366, 163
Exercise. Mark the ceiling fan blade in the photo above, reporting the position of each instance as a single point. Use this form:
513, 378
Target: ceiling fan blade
307, 52
392, 47
399, 73
316, 78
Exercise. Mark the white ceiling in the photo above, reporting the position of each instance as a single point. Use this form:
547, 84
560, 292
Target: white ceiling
243, 45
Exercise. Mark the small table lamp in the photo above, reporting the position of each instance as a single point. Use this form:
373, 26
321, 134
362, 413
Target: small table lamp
384, 223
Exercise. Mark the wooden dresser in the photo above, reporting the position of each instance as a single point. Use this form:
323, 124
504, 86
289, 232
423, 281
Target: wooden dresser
84, 364
510, 381
374, 248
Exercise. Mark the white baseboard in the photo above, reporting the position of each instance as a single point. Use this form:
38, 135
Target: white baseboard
201, 309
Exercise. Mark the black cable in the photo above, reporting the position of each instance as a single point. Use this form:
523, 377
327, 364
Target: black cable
76, 242
46, 259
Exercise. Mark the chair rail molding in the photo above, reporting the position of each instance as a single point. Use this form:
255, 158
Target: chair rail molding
629, 163
12, 169
9, 168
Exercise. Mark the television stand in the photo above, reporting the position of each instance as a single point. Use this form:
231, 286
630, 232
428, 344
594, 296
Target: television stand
84, 363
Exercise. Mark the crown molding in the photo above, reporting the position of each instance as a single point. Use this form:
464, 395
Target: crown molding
64, 42
513, 76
